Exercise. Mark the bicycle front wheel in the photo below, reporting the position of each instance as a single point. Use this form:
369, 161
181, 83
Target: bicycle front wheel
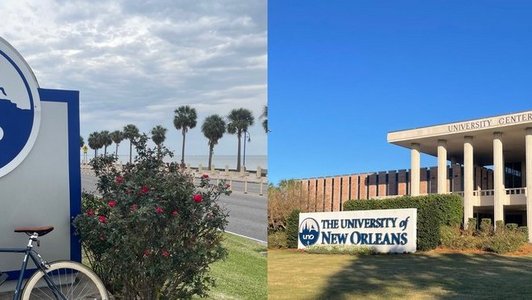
72, 279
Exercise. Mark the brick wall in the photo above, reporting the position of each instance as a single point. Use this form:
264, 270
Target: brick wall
329, 194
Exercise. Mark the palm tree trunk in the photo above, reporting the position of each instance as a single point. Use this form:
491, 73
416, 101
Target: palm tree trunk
116, 150
130, 152
211, 151
105, 150
95, 152
183, 149
239, 136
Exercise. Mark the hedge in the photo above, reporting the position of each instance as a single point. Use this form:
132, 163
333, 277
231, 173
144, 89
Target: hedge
292, 228
433, 211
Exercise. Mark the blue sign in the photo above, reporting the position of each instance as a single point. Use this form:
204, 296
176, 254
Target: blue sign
19, 108
309, 232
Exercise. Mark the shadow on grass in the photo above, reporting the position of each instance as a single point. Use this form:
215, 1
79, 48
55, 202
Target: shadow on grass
442, 276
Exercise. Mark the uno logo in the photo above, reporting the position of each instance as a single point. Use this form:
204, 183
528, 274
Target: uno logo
20, 110
309, 232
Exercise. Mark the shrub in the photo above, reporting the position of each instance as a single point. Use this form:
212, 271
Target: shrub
152, 234
511, 226
485, 227
433, 211
505, 240
277, 240
471, 226
282, 200
340, 249
449, 234
499, 225
292, 228
453, 238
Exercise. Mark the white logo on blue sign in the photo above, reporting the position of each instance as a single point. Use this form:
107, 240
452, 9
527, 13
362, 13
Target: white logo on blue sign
309, 232
19, 108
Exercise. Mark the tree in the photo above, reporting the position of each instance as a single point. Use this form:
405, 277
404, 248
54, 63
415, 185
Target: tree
131, 132
264, 116
184, 119
213, 128
95, 142
106, 140
117, 136
239, 121
158, 135
81, 141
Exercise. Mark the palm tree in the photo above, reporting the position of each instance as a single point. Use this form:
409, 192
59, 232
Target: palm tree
131, 132
184, 119
264, 116
117, 136
239, 121
106, 140
94, 142
81, 141
213, 128
158, 135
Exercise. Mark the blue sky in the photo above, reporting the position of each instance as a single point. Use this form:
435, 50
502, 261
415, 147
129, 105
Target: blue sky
342, 74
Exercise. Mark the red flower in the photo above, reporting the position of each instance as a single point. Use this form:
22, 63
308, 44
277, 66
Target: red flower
147, 252
144, 189
119, 179
90, 212
102, 219
197, 198
204, 176
165, 253
227, 186
159, 210
133, 207
174, 213
112, 203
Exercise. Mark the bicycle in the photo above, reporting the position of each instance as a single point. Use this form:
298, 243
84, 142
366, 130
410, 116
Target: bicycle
63, 280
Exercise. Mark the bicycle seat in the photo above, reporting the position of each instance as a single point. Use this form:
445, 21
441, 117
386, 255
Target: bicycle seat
40, 230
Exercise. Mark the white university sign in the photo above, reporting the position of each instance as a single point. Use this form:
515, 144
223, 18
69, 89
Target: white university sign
386, 230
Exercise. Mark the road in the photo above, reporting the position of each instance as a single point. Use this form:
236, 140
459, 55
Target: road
247, 212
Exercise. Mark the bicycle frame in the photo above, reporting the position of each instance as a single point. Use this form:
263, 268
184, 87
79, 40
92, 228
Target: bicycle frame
39, 262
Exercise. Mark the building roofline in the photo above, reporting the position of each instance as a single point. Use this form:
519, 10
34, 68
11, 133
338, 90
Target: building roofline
467, 120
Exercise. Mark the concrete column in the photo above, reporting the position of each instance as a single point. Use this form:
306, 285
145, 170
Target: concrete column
468, 179
414, 170
442, 167
498, 178
528, 141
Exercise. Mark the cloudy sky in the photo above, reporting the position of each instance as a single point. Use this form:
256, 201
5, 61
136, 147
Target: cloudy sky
137, 61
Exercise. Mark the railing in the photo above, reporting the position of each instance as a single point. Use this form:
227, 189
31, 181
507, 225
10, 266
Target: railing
516, 191
483, 193
242, 185
512, 191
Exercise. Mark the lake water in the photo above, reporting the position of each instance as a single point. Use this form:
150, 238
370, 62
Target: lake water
219, 161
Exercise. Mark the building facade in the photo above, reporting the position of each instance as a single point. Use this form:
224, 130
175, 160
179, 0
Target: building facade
484, 160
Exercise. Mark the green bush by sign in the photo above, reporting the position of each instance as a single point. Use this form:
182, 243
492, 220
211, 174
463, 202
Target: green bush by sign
433, 212
152, 234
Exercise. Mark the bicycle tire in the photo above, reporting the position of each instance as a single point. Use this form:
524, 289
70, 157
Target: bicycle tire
73, 279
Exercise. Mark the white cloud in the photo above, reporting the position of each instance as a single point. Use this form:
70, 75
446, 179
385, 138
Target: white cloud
136, 61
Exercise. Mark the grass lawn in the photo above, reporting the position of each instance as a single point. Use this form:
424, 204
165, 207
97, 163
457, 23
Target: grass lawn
297, 275
243, 274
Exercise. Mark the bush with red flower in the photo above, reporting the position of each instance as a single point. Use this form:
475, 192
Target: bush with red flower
151, 233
